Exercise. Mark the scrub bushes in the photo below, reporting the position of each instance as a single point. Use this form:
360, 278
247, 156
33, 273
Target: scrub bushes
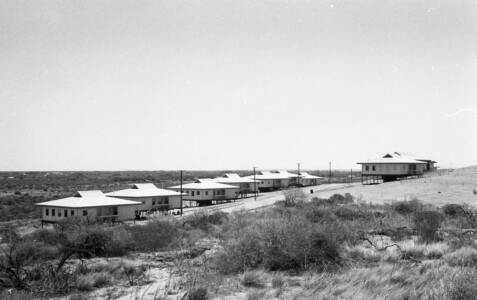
155, 236
291, 243
427, 224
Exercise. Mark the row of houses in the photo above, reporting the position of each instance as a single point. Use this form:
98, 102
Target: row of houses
142, 198
146, 197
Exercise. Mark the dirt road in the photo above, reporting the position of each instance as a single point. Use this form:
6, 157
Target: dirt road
266, 199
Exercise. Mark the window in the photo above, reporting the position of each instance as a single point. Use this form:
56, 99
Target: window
47, 211
65, 213
52, 212
153, 202
192, 193
367, 168
198, 193
374, 168
85, 212
59, 213
206, 193
72, 213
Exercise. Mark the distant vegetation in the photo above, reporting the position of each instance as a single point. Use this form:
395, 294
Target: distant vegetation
418, 250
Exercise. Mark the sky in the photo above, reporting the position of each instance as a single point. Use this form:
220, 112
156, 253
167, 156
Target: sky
232, 84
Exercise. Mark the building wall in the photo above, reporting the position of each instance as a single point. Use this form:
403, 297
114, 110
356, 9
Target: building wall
209, 194
265, 183
174, 202
309, 181
284, 183
391, 169
274, 183
124, 213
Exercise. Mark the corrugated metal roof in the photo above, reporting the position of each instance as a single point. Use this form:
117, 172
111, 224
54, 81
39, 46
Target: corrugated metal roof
234, 178
269, 175
92, 193
309, 176
232, 175
88, 199
392, 160
411, 156
206, 185
141, 190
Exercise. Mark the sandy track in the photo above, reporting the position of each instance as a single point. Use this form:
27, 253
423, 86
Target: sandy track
265, 199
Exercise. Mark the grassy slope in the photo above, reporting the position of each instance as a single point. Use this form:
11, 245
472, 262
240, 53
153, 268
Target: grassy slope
456, 187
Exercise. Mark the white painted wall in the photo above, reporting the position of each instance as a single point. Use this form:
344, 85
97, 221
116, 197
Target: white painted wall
125, 212
390, 169
208, 194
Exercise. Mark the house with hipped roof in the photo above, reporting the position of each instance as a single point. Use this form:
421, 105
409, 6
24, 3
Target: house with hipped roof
394, 166
275, 180
206, 191
151, 197
89, 205
246, 185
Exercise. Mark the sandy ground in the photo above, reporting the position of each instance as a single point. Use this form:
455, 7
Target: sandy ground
455, 187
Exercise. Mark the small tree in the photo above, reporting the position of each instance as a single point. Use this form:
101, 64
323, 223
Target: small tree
292, 196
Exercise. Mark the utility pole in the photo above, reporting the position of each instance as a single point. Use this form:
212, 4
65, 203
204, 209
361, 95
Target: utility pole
351, 177
181, 192
329, 176
298, 178
254, 184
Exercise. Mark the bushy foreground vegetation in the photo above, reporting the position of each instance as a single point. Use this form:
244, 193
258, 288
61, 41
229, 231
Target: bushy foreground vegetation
329, 248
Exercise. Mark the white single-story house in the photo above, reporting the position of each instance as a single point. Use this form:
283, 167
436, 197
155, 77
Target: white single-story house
307, 179
90, 205
207, 191
274, 180
151, 197
246, 185
391, 168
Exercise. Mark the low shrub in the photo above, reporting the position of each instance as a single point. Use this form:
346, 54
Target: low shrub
353, 213
155, 236
203, 220
363, 256
464, 257
453, 210
318, 214
101, 279
293, 197
285, 243
199, 293
85, 283
334, 200
133, 273
252, 279
427, 224
278, 282
462, 286
256, 295
241, 253
407, 207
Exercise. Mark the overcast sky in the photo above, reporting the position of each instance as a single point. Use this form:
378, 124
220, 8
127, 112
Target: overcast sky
222, 84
